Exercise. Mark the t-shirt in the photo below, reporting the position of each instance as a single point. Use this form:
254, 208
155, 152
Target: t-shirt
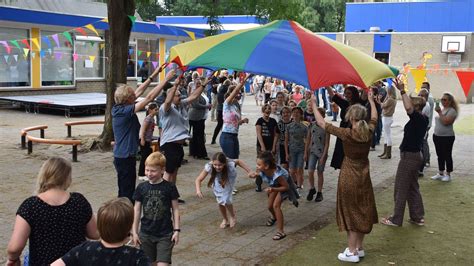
414, 132
156, 205
231, 175
126, 130
150, 129
55, 229
272, 180
231, 117
269, 129
318, 138
93, 253
442, 129
175, 123
296, 136
309, 117
282, 128
297, 97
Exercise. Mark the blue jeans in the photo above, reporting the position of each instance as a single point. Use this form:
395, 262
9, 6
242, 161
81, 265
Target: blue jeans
230, 145
126, 175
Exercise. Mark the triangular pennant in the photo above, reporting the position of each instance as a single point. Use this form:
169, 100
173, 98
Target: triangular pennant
16, 57
148, 54
130, 51
7, 47
92, 28
6, 57
26, 51
81, 31
50, 51
26, 43
157, 25
92, 43
92, 58
190, 34
75, 57
36, 43
419, 76
106, 20
56, 39
140, 63
465, 78
154, 63
58, 55
45, 39
101, 46
139, 52
42, 54
68, 36
15, 42
132, 19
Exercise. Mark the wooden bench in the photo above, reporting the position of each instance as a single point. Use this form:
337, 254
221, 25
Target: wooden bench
25, 131
74, 144
77, 123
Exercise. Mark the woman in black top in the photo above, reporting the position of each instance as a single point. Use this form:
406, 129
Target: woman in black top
406, 180
222, 90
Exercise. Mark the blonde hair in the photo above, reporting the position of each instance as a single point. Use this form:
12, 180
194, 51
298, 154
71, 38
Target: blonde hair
452, 102
115, 220
418, 103
392, 92
54, 173
122, 93
156, 159
358, 113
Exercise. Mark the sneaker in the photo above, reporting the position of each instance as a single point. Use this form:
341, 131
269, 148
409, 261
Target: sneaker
311, 194
420, 222
143, 178
348, 256
319, 197
446, 178
361, 253
234, 191
437, 177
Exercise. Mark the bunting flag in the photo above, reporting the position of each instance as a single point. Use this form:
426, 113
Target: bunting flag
68, 36
58, 55
157, 25
139, 52
92, 28
190, 34
106, 20
6, 57
50, 51
102, 46
26, 43
419, 76
154, 63
132, 19
36, 43
140, 63
45, 39
130, 51
15, 42
465, 78
56, 39
9, 49
75, 57
25, 52
92, 58
81, 31
16, 57
148, 54
42, 54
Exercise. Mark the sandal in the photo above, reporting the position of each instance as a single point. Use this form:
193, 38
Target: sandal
420, 222
387, 221
271, 221
279, 236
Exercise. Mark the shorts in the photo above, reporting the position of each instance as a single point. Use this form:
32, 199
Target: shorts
296, 159
283, 155
313, 160
174, 155
158, 249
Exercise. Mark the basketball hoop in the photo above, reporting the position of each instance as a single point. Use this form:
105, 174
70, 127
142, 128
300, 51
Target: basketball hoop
452, 51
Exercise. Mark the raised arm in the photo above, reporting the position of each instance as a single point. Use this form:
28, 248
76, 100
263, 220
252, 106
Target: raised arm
141, 89
319, 118
405, 98
199, 88
373, 109
236, 90
170, 94
154, 92
330, 91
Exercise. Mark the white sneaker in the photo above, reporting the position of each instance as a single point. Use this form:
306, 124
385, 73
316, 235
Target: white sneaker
446, 178
143, 178
361, 253
348, 256
437, 177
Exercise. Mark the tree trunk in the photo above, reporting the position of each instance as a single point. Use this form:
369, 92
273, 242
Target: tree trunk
117, 38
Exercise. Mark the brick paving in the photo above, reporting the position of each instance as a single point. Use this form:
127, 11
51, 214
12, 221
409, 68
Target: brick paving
202, 242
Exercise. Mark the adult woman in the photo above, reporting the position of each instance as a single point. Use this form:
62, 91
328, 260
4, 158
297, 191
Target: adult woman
126, 130
198, 112
276, 88
356, 210
388, 108
222, 90
351, 97
443, 136
407, 188
54, 220
231, 114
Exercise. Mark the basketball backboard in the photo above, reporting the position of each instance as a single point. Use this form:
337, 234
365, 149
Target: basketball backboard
453, 44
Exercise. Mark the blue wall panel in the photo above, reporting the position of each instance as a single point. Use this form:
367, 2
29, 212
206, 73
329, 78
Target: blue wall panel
439, 16
382, 43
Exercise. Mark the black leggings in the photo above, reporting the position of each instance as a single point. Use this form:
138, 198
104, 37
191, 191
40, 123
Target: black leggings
444, 151
220, 123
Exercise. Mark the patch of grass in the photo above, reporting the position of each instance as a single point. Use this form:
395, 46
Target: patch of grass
446, 239
465, 126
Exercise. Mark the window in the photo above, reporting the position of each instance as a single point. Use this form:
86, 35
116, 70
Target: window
89, 61
168, 45
56, 60
131, 63
15, 70
147, 53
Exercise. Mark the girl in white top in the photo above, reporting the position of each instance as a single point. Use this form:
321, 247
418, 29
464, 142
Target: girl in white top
223, 175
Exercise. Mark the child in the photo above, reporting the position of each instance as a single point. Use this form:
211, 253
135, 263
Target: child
223, 175
277, 179
282, 125
114, 221
159, 232
295, 135
316, 153
146, 136
267, 136
308, 115
275, 114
